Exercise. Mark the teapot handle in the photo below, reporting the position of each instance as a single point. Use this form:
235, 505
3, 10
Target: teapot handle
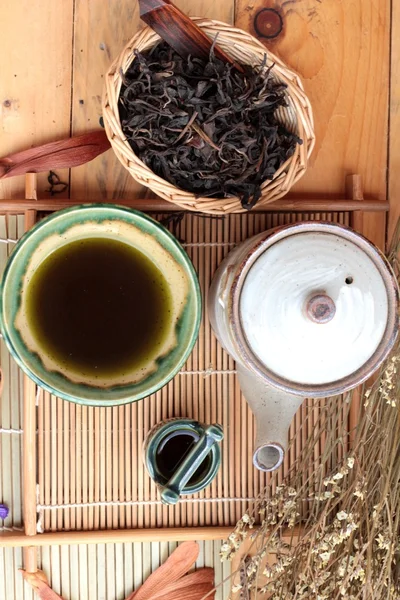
273, 411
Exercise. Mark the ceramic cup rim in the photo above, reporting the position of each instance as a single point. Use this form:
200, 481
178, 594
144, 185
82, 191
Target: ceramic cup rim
7, 325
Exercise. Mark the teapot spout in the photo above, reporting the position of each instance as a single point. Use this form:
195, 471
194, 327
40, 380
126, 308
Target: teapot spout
273, 411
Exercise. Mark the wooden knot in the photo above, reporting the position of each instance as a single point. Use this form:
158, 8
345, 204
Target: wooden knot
268, 23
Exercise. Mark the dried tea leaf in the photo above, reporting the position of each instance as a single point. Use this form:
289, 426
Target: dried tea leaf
203, 126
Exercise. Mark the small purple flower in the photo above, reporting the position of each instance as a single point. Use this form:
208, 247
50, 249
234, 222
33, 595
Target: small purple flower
3, 511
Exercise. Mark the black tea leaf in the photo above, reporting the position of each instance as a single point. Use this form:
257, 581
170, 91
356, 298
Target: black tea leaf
203, 126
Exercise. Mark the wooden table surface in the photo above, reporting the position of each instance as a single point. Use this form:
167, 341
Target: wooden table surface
55, 55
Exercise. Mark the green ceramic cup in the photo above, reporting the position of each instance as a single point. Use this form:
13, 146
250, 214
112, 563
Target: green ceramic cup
194, 467
127, 226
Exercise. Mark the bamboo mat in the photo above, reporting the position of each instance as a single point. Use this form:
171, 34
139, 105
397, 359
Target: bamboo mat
90, 472
90, 469
85, 572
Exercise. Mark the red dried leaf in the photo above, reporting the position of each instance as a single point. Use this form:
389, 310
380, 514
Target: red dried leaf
173, 569
66, 153
204, 579
196, 592
39, 583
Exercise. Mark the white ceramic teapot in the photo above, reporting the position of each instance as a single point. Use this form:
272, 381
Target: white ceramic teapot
306, 310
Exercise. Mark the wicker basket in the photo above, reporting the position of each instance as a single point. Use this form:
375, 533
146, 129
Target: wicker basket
243, 47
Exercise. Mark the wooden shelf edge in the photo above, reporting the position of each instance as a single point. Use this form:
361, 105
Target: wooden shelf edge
283, 205
18, 539
58, 538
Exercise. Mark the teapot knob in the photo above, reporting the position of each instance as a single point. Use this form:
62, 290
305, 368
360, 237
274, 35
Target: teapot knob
320, 308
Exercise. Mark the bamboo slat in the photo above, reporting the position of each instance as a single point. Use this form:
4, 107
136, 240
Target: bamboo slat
10, 412
29, 471
29, 458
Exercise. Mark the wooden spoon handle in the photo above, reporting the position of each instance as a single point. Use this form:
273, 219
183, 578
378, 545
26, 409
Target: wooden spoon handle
179, 31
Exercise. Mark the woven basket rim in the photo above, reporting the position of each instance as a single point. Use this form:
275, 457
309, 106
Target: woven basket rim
242, 46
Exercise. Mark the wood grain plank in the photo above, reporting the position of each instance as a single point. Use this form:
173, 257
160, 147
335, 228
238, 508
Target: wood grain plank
394, 137
100, 34
341, 51
35, 83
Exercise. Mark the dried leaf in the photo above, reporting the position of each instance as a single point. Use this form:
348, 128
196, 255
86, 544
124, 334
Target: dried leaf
188, 583
174, 567
39, 583
65, 153
195, 592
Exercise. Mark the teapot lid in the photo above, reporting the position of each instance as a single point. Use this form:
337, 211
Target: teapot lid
317, 308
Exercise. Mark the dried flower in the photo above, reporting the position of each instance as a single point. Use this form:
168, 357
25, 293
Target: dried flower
341, 516
384, 543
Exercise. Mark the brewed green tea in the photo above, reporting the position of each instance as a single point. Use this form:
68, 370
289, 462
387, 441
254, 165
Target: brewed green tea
99, 307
